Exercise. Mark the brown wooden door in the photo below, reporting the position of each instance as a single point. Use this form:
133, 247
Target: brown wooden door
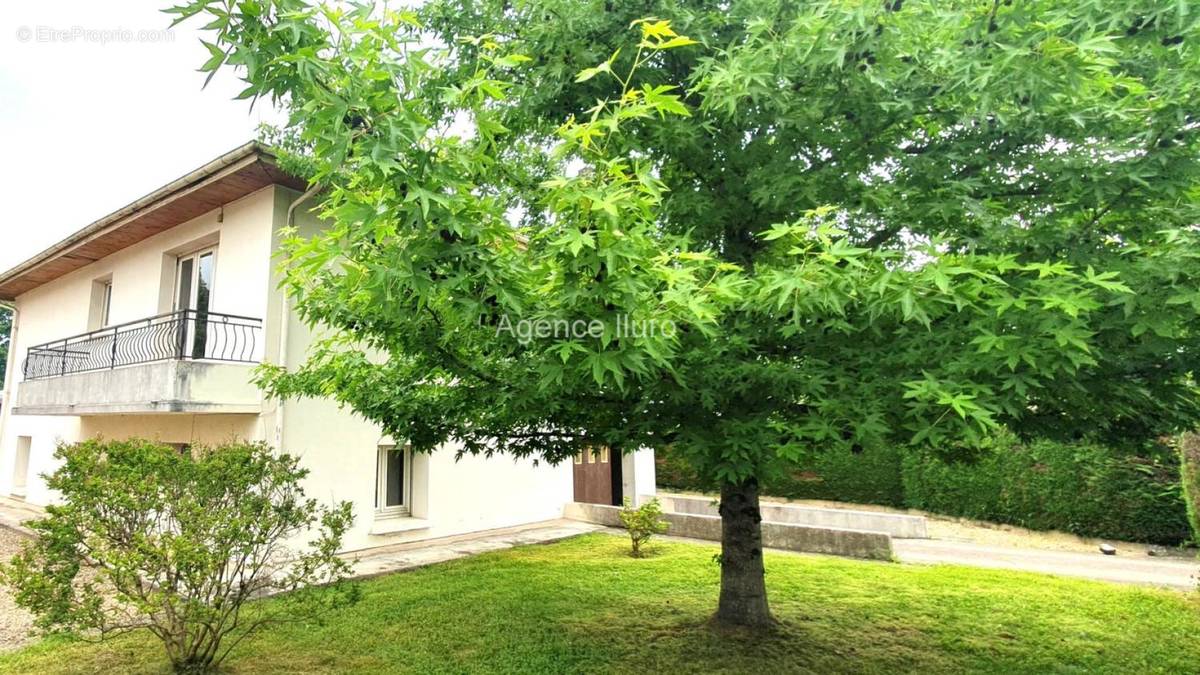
594, 476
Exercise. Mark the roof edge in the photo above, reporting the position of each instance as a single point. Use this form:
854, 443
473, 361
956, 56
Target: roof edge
189, 179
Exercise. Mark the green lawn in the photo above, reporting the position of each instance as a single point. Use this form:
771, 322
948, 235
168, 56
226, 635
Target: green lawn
584, 606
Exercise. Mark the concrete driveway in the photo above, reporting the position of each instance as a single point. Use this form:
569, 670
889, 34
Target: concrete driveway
1131, 568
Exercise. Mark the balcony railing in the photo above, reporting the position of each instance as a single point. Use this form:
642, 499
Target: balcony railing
187, 334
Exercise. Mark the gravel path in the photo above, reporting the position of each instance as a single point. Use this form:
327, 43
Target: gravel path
14, 621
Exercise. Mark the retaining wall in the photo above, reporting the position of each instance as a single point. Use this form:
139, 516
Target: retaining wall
788, 536
898, 525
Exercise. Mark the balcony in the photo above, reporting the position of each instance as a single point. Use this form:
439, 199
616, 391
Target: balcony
188, 361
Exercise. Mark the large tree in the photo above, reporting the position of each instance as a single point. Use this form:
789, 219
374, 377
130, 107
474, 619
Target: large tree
866, 222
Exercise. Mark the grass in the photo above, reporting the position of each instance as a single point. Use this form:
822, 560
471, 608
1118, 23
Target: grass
583, 605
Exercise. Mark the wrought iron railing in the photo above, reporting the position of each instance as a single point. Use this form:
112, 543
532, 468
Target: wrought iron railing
187, 334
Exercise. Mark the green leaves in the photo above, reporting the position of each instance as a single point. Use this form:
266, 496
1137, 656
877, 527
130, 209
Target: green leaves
1107, 280
215, 61
867, 225
176, 543
657, 34
511, 60
659, 100
575, 241
588, 73
642, 522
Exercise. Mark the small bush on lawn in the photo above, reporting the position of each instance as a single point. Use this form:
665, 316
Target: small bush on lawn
149, 538
642, 523
1083, 488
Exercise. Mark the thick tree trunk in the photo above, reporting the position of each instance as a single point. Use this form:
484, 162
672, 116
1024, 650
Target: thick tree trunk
743, 600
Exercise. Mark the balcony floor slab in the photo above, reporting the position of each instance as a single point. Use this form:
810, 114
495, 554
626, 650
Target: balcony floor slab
198, 387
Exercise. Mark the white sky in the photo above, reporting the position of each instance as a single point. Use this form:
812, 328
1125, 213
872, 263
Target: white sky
90, 122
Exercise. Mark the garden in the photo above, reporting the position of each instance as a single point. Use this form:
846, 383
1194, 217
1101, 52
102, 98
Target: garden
939, 255
585, 605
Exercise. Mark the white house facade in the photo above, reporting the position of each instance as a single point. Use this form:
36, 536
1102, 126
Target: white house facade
149, 323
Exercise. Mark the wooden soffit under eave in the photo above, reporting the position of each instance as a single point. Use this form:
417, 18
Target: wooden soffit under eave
232, 182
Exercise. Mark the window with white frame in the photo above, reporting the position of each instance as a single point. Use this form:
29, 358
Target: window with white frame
106, 303
100, 311
393, 491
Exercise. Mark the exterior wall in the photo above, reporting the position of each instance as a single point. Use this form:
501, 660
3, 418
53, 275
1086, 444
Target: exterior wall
637, 476
46, 433
143, 284
449, 497
173, 428
61, 308
340, 449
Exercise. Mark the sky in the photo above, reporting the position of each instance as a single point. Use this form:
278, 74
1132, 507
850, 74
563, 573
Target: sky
99, 105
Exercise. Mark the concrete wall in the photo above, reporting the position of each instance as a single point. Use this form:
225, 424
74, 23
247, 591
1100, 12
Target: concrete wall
897, 525
162, 386
173, 428
803, 538
638, 481
449, 496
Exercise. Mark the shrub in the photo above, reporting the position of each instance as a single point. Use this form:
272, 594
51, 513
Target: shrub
642, 523
149, 538
1189, 471
871, 476
1083, 488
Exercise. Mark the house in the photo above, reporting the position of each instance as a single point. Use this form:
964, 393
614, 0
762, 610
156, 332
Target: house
150, 322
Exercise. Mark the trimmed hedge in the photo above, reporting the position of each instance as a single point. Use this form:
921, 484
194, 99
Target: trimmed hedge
1083, 488
1189, 471
867, 477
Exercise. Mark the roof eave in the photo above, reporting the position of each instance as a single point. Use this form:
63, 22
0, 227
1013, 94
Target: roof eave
229, 163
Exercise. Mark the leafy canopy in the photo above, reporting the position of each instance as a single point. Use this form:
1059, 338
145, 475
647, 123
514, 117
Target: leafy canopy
869, 222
